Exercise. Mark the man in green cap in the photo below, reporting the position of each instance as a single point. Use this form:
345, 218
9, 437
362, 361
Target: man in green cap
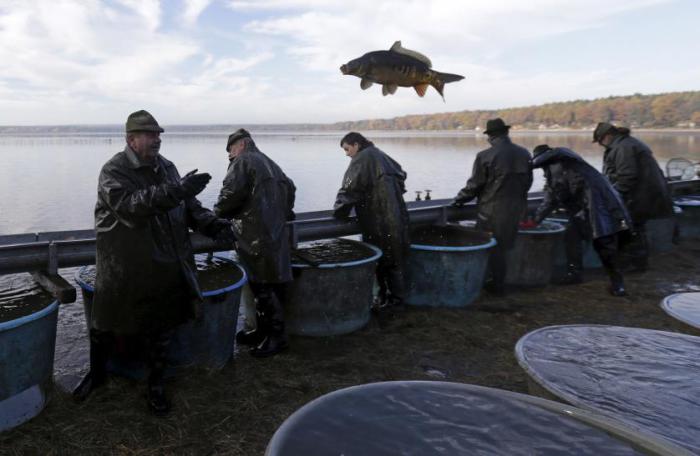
630, 166
259, 198
146, 282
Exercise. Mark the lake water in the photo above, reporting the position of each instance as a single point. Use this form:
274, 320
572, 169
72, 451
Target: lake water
48, 182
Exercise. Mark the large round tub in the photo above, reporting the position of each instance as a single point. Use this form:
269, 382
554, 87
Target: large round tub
684, 307
689, 219
530, 261
647, 379
332, 289
441, 418
206, 342
27, 343
447, 265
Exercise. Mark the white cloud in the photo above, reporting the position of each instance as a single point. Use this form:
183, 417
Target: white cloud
319, 35
148, 10
91, 61
193, 8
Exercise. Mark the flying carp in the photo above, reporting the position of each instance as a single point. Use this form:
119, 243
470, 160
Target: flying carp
398, 67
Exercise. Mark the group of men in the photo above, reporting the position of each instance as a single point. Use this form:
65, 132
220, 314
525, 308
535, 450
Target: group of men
610, 209
146, 282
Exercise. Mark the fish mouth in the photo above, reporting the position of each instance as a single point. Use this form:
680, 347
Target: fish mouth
344, 69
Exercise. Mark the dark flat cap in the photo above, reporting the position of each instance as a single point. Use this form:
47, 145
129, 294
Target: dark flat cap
236, 135
142, 121
542, 148
495, 125
602, 129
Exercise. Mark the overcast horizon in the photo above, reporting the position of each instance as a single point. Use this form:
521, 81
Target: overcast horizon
225, 62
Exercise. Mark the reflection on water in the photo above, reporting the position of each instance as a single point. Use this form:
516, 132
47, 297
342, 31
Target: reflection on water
643, 377
49, 182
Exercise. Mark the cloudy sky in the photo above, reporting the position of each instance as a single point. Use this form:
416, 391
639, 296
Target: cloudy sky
276, 61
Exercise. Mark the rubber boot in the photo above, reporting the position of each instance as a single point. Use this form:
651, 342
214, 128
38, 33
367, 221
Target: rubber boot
275, 342
97, 373
156, 399
272, 322
252, 337
617, 283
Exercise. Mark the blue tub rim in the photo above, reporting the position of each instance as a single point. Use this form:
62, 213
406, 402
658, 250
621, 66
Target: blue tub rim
467, 248
206, 294
346, 264
686, 200
11, 324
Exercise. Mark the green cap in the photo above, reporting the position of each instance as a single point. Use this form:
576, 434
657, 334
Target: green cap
236, 135
142, 121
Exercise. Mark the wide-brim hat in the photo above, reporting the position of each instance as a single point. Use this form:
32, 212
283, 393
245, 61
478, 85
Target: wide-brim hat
236, 135
495, 125
602, 129
142, 121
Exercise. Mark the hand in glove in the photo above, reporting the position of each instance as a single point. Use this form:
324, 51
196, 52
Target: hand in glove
193, 183
223, 232
455, 203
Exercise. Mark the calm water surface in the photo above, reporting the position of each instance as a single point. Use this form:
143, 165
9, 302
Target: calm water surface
49, 182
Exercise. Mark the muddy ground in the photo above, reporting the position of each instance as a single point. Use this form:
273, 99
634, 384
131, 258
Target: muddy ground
236, 411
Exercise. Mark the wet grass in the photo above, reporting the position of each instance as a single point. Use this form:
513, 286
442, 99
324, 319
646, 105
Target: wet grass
236, 411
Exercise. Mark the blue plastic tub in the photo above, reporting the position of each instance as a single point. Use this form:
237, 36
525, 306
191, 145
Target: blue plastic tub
331, 298
26, 364
447, 265
207, 342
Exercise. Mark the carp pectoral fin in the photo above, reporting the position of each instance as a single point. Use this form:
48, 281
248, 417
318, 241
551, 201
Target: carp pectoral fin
365, 84
391, 88
421, 89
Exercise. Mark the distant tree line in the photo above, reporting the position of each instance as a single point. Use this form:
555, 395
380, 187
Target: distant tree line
670, 110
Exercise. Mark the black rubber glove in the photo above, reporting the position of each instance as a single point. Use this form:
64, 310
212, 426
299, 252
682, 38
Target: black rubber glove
193, 183
222, 232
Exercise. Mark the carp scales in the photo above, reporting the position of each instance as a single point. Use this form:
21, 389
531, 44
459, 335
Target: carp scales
398, 67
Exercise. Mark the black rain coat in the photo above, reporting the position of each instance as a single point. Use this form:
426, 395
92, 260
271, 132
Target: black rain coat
501, 177
259, 199
146, 276
635, 174
374, 185
588, 197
